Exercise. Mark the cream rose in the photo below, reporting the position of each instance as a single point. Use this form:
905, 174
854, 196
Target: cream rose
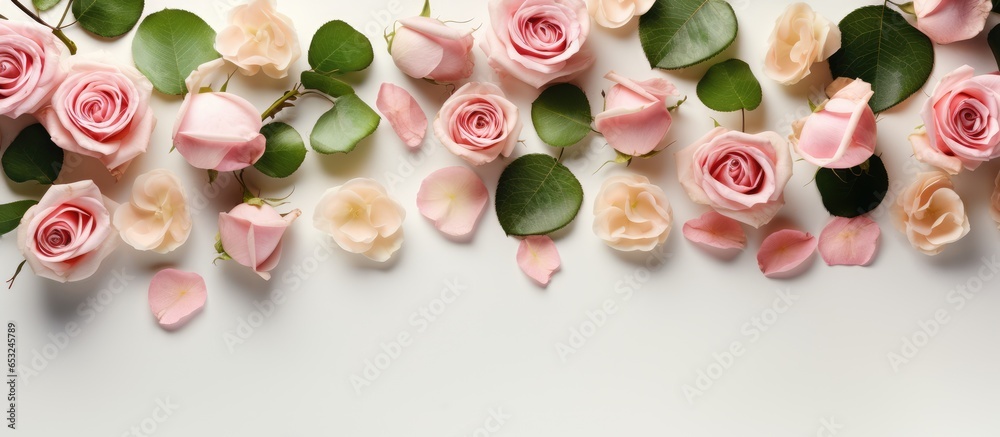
478, 123
800, 38
632, 214
259, 38
29, 67
930, 213
617, 13
156, 218
361, 218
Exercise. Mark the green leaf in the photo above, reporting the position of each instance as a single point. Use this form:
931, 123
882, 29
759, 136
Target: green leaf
730, 86
340, 129
339, 48
883, 49
108, 18
44, 5
996, 5
326, 84
32, 156
853, 191
11, 213
537, 195
169, 45
994, 40
561, 115
284, 151
681, 33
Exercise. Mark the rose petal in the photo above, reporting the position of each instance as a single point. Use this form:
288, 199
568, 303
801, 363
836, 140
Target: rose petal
403, 113
849, 241
784, 250
538, 258
175, 296
715, 230
454, 199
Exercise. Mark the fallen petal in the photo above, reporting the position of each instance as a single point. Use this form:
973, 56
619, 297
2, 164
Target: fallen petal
784, 250
403, 113
715, 230
849, 241
538, 258
453, 198
174, 296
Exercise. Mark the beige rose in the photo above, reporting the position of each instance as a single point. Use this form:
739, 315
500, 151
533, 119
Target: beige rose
259, 38
632, 214
361, 218
617, 13
930, 213
156, 217
800, 38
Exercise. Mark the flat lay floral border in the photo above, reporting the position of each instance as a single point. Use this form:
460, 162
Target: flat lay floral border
92, 105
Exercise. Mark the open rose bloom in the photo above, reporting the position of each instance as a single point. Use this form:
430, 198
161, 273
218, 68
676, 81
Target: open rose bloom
632, 214
931, 213
30, 56
478, 123
617, 13
257, 38
426, 48
156, 218
801, 37
635, 118
948, 21
361, 218
252, 235
841, 133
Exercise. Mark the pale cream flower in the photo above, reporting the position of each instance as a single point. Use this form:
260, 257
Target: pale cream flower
617, 13
259, 38
361, 218
156, 218
930, 213
800, 38
632, 214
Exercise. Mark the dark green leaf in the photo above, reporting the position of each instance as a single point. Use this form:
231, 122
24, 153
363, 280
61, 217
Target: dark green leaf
730, 86
169, 45
284, 151
537, 195
11, 213
681, 33
108, 18
853, 191
561, 115
340, 129
326, 84
994, 40
339, 48
32, 156
44, 5
883, 49
996, 5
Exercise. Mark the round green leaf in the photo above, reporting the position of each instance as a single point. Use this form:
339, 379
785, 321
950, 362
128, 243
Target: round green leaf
340, 129
108, 18
339, 48
561, 115
326, 84
681, 33
283, 152
883, 49
730, 86
853, 191
44, 5
537, 195
32, 156
11, 213
169, 45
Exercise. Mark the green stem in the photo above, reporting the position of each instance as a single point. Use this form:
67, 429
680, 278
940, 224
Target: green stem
10, 282
65, 40
64, 14
28, 12
281, 103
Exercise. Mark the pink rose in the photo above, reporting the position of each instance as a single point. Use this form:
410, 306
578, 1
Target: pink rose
961, 122
68, 233
427, 48
478, 123
538, 41
251, 235
101, 110
259, 38
29, 67
216, 130
635, 117
841, 132
741, 176
948, 21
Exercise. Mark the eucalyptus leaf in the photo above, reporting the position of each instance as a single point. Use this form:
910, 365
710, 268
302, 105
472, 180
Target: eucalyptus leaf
730, 86
44, 5
681, 33
169, 45
11, 213
339, 48
32, 156
284, 151
108, 18
883, 49
853, 191
326, 84
561, 115
994, 40
537, 195
340, 129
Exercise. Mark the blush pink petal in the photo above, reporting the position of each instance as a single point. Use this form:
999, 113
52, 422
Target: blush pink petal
849, 241
715, 230
403, 113
842, 132
538, 258
784, 250
948, 21
454, 199
175, 296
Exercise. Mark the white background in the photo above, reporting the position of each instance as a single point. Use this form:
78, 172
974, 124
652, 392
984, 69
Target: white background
494, 348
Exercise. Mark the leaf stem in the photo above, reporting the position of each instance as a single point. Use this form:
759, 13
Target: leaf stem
62, 19
10, 282
743, 115
281, 103
30, 14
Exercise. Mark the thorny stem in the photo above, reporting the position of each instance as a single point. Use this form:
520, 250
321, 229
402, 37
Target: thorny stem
278, 105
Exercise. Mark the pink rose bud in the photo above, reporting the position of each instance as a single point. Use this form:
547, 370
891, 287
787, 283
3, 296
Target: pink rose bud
425, 48
251, 235
30, 54
841, 133
948, 21
635, 117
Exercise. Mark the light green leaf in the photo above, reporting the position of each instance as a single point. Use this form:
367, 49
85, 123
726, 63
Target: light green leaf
326, 84
339, 48
108, 18
284, 151
883, 49
32, 156
681, 33
11, 213
169, 45
561, 115
853, 191
730, 86
537, 195
340, 129
44, 5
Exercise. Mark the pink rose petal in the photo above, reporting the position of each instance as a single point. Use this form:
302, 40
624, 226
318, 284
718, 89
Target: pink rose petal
175, 296
849, 241
403, 113
784, 250
538, 258
715, 230
453, 198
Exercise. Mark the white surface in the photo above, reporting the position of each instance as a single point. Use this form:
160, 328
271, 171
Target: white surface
494, 347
